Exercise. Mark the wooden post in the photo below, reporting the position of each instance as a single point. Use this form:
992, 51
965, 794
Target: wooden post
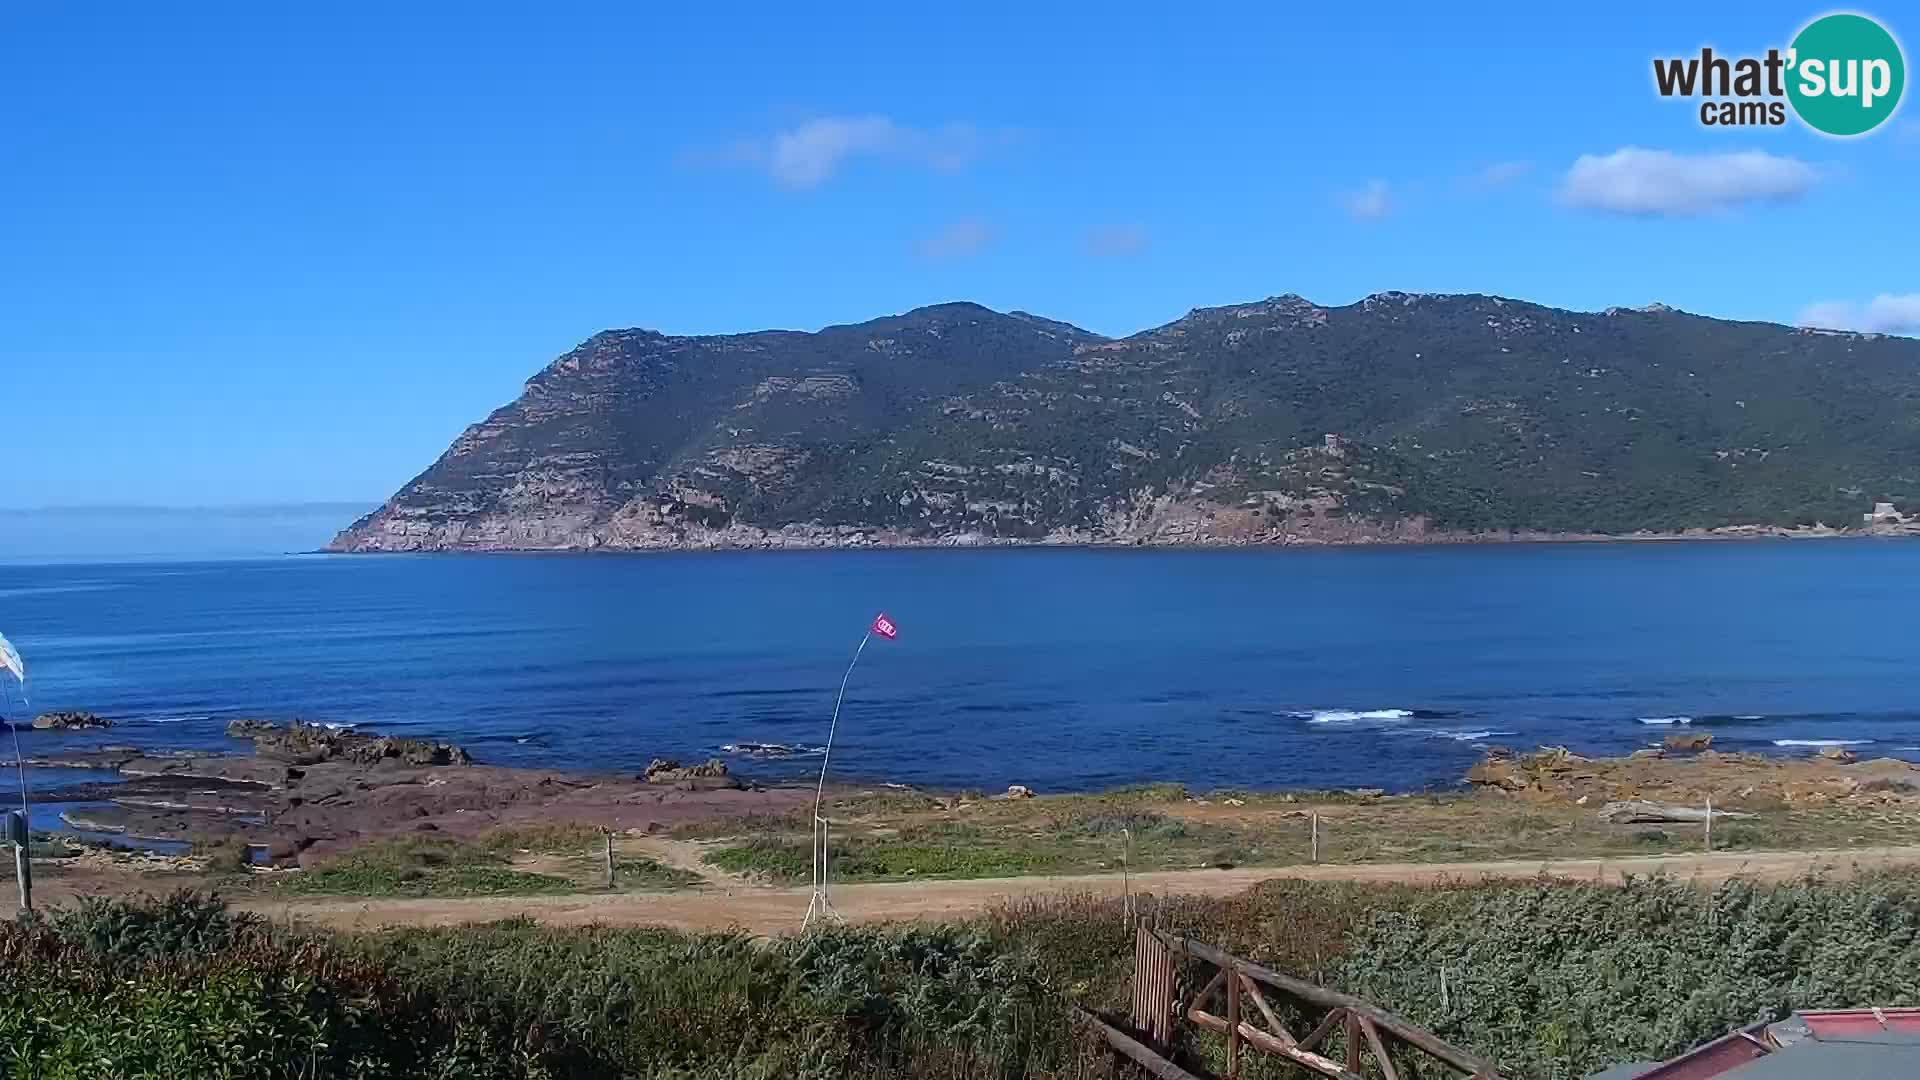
609, 834
1233, 1024
1316, 836
1709, 821
1132, 1048
1353, 1041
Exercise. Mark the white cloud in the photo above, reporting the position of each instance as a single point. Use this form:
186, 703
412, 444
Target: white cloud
958, 240
808, 155
1500, 174
1370, 203
1661, 183
1884, 314
1115, 241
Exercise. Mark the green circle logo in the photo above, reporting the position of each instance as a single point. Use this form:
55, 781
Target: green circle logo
1845, 74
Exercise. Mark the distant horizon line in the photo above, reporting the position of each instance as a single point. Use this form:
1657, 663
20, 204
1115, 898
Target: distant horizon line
195, 508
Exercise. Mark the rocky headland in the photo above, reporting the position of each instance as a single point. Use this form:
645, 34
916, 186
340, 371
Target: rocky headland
1402, 418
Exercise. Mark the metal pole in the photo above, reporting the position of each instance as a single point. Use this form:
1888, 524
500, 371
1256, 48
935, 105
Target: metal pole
19, 759
22, 857
1709, 821
23, 871
818, 905
1316, 836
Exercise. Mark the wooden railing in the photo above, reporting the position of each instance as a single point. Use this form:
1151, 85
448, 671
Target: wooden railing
1249, 1018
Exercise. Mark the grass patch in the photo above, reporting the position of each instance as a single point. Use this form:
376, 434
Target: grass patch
776, 858
417, 866
646, 875
940, 851
745, 825
558, 838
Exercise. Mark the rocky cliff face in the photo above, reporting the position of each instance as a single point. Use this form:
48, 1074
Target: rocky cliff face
1400, 417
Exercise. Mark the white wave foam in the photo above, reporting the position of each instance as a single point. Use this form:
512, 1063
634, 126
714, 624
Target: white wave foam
1822, 742
1469, 736
770, 750
1348, 716
1663, 720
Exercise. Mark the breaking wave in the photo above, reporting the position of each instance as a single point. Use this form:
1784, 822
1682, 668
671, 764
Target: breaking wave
1665, 720
1349, 716
1822, 742
1469, 736
772, 750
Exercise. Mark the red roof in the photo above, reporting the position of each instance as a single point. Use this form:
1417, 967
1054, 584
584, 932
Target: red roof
1843, 1023
1742, 1047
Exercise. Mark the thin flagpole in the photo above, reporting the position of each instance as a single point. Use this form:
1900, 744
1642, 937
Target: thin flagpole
19, 759
821, 787
818, 904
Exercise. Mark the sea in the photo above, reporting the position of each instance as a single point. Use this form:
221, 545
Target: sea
1059, 669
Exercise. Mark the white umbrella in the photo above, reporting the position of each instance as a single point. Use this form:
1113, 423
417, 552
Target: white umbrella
10, 661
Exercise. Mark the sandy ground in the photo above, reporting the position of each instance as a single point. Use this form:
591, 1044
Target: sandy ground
724, 904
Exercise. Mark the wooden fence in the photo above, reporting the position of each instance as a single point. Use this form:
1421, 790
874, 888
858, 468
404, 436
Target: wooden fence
1243, 1001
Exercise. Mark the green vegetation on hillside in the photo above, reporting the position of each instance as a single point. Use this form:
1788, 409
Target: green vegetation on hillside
1470, 412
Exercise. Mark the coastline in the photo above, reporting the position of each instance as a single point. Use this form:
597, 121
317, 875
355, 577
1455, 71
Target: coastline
876, 540
386, 828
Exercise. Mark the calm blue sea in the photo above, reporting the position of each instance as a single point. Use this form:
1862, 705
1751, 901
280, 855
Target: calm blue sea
1059, 669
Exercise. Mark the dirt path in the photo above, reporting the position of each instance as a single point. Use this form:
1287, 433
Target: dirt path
766, 910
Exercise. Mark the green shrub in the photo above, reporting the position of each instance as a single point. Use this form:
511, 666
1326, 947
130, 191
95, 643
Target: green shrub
1551, 980
421, 866
183, 923
1556, 979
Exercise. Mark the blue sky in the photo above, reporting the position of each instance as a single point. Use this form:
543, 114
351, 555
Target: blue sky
258, 253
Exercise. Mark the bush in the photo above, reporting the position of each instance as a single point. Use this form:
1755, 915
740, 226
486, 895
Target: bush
1549, 979
1554, 980
179, 987
183, 923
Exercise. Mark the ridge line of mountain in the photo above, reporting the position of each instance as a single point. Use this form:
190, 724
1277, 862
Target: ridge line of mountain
1399, 417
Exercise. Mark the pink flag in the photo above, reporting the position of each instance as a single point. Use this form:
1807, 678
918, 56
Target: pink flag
884, 626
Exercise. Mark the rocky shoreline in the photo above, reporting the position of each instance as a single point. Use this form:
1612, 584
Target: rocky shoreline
1193, 536
306, 791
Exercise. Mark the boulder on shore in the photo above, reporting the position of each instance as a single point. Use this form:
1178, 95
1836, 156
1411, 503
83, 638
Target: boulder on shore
309, 744
711, 776
69, 720
1499, 769
1840, 754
